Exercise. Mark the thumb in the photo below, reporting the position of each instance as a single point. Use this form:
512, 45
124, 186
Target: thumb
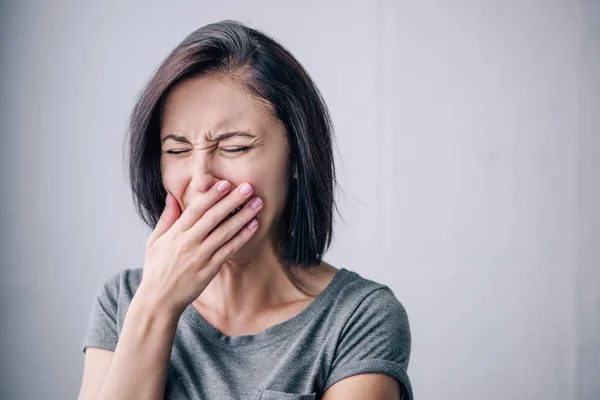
170, 214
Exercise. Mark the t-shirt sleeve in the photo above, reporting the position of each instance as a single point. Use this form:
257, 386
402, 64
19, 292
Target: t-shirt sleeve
376, 339
102, 330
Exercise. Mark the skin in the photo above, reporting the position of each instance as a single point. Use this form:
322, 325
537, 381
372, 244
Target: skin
227, 272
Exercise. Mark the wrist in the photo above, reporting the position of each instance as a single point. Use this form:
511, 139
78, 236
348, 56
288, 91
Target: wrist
146, 304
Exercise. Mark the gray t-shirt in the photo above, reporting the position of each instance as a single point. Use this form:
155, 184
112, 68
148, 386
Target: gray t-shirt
354, 326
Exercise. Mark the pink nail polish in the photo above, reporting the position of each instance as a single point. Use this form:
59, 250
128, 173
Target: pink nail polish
245, 189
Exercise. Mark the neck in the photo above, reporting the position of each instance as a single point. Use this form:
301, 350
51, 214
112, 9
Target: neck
246, 285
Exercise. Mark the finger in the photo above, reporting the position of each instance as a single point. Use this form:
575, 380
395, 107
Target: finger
228, 229
224, 252
198, 207
170, 214
220, 211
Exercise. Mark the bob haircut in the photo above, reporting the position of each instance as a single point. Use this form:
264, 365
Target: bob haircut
267, 71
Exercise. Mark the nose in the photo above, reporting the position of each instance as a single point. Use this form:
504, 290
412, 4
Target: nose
202, 177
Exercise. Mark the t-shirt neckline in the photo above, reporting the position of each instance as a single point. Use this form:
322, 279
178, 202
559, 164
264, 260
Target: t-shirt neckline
271, 334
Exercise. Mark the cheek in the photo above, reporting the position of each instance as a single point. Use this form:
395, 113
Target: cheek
272, 186
238, 171
173, 179
274, 177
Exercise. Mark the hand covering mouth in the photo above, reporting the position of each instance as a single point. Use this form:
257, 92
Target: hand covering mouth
235, 211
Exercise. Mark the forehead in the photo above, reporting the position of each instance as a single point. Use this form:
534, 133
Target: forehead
208, 104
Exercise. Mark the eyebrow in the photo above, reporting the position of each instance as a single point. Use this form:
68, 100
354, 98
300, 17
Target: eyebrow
222, 136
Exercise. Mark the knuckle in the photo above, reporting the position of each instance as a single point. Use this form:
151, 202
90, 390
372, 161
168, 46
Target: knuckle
197, 206
183, 245
212, 218
226, 251
170, 237
222, 234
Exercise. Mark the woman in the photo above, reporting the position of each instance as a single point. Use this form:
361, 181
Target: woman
231, 164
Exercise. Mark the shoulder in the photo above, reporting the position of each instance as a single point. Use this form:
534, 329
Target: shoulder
360, 294
120, 286
375, 334
127, 279
112, 299
371, 319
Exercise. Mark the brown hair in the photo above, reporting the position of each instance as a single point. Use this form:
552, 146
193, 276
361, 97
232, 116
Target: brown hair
270, 73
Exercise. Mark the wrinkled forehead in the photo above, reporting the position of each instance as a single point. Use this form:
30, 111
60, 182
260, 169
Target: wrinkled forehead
210, 105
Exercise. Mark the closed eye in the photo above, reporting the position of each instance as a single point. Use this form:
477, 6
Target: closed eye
237, 150
176, 152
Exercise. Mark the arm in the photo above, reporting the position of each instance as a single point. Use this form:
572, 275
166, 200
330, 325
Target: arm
138, 367
96, 364
183, 254
365, 387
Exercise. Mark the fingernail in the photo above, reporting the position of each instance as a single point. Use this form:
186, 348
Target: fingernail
256, 203
252, 224
245, 189
223, 186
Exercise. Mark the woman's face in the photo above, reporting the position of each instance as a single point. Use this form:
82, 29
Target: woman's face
196, 115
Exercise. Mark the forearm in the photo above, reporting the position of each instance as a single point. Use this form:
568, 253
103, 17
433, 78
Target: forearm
139, 366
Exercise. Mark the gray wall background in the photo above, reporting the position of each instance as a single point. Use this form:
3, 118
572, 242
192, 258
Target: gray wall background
469, 153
